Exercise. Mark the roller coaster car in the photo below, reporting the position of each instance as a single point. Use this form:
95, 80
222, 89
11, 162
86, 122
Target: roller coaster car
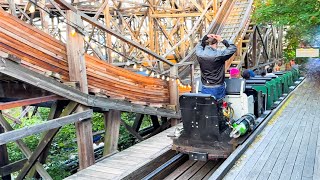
208, 131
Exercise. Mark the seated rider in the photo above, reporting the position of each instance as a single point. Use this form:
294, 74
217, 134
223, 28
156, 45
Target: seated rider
212, 64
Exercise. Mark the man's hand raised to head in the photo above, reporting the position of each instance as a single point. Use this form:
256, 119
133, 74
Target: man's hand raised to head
218, 38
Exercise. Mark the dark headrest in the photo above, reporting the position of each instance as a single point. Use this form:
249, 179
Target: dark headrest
234, 86
249, 81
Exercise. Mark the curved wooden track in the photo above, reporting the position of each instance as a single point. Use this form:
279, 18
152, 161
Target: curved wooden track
41, 53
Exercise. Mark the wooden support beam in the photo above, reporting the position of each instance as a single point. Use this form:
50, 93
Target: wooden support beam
27, 131
112, 121
19, 72
11, 168
131, 130
137, 122
12, 7
112, 32
13, 119
4, 158
85, 140
25, 150
55, 112
75, 53
77, 72
44, 16
178, 15
50, 135
28, 102
155, 121
107, 18
254, 48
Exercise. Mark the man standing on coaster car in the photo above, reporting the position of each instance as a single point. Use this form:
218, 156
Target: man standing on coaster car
212, 64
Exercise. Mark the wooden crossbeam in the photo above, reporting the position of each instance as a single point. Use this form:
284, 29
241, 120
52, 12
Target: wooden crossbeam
137, 122
4, 158
25, 150
13, 70
12, 167
131, 130
28, 102
27, 131
35, 155
119, 36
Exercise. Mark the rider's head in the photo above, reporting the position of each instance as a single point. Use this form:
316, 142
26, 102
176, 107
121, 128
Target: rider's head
212, 42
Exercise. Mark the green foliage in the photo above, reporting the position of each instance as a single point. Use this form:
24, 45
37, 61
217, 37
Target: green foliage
299, 17
64, 145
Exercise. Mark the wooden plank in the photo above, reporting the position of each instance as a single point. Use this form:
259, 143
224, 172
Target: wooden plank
112, 121
282, 143
4, 158
11, 168
32, 30
13, 70
262, 149
269, 131
143, 170
28, 102
26, 131
180, 170
275, 145
287, 152
294, 169
84, 140
192, 170
75, 53
309, 168
204, 170
316, 174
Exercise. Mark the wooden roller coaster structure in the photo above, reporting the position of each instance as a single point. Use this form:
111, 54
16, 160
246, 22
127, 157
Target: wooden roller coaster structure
85, 56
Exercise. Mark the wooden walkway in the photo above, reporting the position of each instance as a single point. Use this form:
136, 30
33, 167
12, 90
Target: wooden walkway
125, 162
288, 147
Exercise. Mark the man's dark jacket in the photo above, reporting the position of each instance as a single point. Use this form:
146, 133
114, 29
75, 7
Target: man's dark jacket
212, 62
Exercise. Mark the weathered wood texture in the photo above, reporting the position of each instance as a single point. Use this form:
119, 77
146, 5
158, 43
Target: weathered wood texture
127, 163
4, 158
112, 121
27, 102
26, 131
41, 53
12, 69
288, 148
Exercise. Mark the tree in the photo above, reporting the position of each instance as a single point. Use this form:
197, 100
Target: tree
300, 17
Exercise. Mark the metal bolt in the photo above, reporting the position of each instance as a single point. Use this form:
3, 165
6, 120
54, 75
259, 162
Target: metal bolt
192, 126
191, 121
197, 126
196, 122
